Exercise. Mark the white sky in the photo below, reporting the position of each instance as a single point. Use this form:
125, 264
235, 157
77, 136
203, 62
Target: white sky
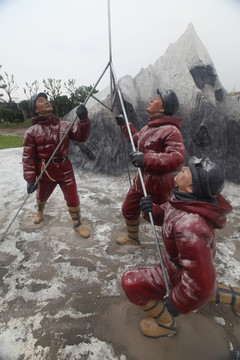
69, 39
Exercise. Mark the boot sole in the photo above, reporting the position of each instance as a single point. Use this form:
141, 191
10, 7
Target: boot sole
85, 237
37, 222
129, 243
157, 337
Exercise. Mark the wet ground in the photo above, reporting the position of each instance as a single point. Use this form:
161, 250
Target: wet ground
61, 295
12, 132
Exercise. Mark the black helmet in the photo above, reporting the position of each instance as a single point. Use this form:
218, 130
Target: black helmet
170, 101
33, 101
207, 177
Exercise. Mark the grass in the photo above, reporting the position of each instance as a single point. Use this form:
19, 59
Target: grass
5, 125
7, 142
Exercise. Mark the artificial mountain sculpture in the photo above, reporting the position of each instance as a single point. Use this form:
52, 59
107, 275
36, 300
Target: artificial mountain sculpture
211, 117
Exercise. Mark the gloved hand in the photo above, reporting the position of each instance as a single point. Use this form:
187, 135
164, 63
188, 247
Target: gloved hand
82, 112
146, 204
136, 158
31, 187
120, 119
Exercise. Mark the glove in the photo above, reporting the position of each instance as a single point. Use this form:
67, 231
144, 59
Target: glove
120, 119
136, 158
146, 204
31, 187
82, 112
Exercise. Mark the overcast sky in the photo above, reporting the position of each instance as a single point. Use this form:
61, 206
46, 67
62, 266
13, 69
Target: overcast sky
68, 39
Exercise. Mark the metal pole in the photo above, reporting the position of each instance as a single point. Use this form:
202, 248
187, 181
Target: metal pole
110, 49
143, 188
71, 124
90, 94
60, 143
14, 217
134, 149
109, 33
125, 156
112, 81
66, 133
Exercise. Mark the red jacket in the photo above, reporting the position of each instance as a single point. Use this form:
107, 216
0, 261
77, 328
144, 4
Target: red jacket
189, 238
42, 138
164, 152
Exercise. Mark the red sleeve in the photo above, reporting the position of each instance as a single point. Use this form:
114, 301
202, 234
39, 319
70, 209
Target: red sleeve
29, 158
171, 158
134, 133
81, 131
195, 241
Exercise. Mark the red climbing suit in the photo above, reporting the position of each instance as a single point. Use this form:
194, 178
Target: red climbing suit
189, 238
161, 143
40, 141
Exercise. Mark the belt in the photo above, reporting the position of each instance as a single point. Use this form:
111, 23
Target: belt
56, 159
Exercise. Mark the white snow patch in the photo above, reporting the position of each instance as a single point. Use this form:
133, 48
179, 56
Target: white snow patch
13, 341
16, 338
95, 350
220, 320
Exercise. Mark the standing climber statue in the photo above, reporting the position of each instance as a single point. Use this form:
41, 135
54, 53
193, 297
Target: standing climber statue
160, 151
40, 141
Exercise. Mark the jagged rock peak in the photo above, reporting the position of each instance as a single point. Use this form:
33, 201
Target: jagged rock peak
188, 51
192, 49
211, 117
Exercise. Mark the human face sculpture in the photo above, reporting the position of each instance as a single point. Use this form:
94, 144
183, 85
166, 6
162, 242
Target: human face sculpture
183, 180
155, 106
43, 106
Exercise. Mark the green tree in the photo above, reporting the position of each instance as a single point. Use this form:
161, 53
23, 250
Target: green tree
7, 83
82, 93
9, 109
64, 105
25, 108
31, 89
71, 88
7, 115
77, 94
53, 90
2, 86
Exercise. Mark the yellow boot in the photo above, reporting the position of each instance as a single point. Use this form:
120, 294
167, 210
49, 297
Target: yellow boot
78, 227
132, 236
160, 322
227, 295
39, 214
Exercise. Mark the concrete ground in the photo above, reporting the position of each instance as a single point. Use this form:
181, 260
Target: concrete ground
61, 295
12, 132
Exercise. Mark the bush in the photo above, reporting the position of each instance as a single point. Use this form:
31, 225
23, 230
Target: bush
11, 116
7, 115
18, 117
24, 107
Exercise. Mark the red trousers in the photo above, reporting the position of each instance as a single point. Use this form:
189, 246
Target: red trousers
144, 284
58, 174
131, 206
